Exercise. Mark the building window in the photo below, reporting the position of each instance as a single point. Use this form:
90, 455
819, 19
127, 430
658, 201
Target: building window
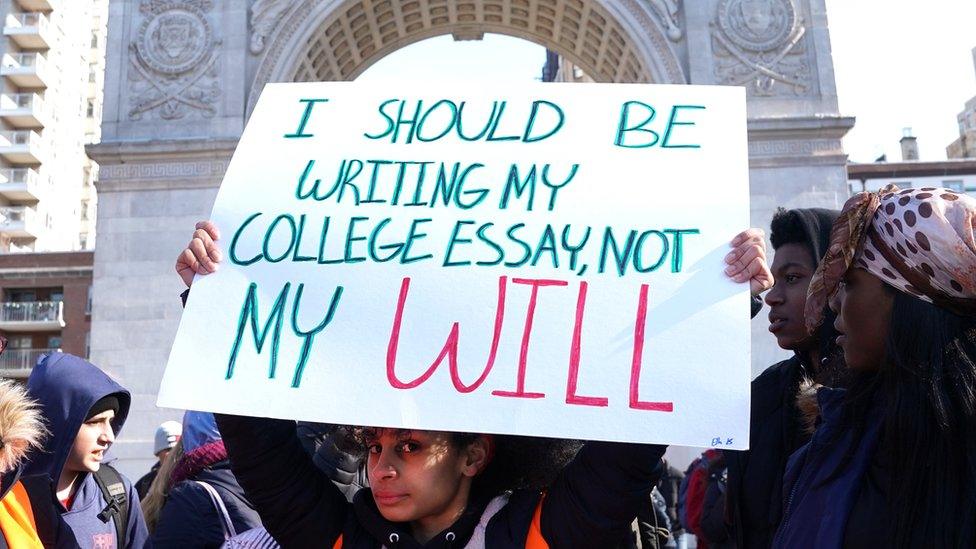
955, 185
90, 110
19, 342
21, 296
88, 303
92, 73
94, 40
88, 345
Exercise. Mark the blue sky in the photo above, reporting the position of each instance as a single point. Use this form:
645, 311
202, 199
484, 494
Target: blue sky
897, 65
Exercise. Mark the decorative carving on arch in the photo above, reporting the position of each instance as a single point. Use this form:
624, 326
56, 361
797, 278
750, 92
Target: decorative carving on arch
264, 16
667, 11
614, 41
759, 44
174, 61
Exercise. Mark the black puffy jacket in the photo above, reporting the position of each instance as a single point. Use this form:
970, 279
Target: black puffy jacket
591, 504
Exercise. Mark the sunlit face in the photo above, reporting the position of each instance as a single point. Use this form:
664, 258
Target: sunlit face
863, 306
420, 477
792, 268
94, 438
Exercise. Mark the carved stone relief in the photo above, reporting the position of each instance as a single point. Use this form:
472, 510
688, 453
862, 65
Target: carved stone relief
667, 12
264, 15
174, 61
759, 44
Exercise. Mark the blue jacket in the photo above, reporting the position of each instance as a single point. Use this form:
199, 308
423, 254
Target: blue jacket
816, 506
189, 518
66, 387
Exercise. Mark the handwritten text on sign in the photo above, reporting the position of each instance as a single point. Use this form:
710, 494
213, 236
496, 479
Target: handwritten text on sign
546, 261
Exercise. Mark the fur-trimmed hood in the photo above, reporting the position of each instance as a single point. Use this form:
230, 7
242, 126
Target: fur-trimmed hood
21, 429
808, 405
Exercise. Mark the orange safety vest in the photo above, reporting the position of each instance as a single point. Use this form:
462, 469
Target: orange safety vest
533, 540
17, 519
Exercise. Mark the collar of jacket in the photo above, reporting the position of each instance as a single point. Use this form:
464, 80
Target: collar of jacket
395, 535
197, 460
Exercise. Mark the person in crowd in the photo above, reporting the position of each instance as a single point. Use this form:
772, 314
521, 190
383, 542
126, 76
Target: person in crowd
754, 498
893, 460
85, 410
152, 504
668, 488
167, 435
206, 506
440, 489
712, 525
28, 517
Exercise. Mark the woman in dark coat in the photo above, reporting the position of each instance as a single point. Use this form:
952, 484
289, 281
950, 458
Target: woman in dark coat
754, 502
893, 461
191, 517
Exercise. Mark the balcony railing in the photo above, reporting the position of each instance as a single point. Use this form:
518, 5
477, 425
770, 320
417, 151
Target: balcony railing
20, 184
21, 146
23, 110
19, 362
25, 69
28, 30
31, 315
18, 222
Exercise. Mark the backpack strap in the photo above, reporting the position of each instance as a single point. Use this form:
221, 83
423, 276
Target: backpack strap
225, 523
117, 503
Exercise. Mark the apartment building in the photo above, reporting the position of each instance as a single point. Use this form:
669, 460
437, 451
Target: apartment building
51, 65
45, 307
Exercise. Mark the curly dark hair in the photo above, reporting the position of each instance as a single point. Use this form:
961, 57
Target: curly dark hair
519, 462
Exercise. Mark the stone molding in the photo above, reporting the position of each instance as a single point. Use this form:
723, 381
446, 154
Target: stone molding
41, 272
155, 165
163, 170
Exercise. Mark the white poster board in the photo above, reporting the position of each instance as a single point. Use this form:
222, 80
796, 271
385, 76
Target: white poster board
546, 260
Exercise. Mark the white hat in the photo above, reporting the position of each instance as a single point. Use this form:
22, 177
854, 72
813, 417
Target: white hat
167, 436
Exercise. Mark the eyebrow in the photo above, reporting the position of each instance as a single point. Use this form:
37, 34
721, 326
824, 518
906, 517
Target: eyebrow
793, 264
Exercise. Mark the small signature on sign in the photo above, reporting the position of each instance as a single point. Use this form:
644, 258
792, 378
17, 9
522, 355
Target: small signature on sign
720, 441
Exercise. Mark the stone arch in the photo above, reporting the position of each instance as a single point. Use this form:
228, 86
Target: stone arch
612, 40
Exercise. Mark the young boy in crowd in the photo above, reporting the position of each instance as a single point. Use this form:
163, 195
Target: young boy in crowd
85, 410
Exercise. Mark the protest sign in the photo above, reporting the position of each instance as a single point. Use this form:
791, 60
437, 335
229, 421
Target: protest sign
541, 261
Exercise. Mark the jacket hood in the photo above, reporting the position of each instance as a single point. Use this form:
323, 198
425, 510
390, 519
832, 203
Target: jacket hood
66, 387
817, 224
21, 425
199, 429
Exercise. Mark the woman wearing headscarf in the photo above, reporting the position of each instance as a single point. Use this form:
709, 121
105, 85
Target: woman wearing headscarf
206, 506
893, 461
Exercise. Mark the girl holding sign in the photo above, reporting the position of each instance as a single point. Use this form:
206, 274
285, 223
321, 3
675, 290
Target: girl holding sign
439, 489
893, 461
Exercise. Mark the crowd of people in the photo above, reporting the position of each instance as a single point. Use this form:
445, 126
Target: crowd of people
864, 437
